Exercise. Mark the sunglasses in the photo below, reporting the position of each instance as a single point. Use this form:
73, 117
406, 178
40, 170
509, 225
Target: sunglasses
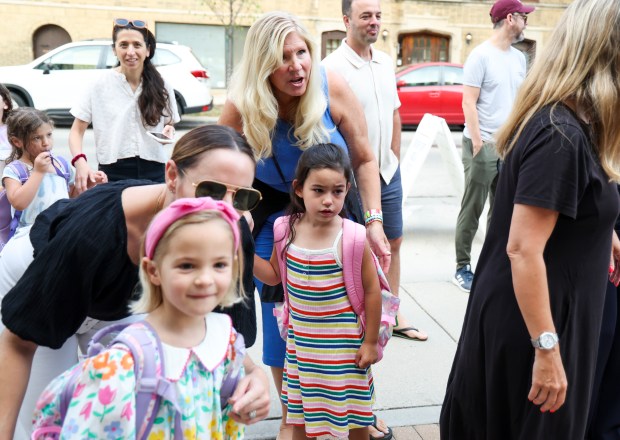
523, 16
124, 22
244, 199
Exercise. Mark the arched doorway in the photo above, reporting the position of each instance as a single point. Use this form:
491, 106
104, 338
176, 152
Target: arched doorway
48, 37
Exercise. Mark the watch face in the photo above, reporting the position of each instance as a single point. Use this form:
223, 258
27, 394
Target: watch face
547, 340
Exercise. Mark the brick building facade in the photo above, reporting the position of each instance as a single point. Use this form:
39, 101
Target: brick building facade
413, 30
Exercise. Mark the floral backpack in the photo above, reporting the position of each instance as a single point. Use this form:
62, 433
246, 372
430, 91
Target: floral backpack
151, 384
353, 243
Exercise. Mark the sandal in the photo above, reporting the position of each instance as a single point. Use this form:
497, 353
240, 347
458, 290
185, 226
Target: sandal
385, 436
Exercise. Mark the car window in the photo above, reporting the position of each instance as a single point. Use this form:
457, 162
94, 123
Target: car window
453, 76
110, 58
74, 58
164, 57
425, 76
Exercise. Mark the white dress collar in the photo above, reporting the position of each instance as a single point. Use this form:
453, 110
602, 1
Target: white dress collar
211, 352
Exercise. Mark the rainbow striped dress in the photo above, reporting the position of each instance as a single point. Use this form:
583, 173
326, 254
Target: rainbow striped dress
322, 387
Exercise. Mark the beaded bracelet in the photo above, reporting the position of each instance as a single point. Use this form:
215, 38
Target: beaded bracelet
373, 215
78, 157
373, 219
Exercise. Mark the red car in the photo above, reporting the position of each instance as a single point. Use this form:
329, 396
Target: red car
435, 88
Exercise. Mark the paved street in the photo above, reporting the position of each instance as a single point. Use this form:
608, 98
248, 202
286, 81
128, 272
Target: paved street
410, 381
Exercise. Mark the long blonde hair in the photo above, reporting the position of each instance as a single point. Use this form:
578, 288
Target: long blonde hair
252, 93
580, 65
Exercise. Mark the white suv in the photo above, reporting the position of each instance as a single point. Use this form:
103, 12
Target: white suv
54, 81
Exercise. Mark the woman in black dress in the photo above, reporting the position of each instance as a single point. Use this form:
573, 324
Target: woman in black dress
543, 266
85, 269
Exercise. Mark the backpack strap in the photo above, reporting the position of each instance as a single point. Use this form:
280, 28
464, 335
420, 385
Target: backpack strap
151, 384
20, 169
63, 171
353, 244
280, 238
230, 380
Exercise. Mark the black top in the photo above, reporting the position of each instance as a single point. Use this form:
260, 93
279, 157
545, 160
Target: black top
552, 166
81, 268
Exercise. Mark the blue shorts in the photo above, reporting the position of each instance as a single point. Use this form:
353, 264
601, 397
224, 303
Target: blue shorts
274, 347
392, 206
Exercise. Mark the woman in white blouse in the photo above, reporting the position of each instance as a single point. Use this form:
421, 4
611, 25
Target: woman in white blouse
123, 105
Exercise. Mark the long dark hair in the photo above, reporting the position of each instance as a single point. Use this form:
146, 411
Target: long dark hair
154, 101
6, 97
317, 157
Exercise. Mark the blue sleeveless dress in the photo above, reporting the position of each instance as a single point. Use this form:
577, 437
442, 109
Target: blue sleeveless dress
287, 154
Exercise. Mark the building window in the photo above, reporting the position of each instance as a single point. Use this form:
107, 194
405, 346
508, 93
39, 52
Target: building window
422, 47
330, 41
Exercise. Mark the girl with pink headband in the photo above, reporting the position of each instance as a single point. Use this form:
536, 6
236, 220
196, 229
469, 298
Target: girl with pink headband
191, 264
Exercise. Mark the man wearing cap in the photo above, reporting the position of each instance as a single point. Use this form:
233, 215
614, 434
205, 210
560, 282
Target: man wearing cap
493, 73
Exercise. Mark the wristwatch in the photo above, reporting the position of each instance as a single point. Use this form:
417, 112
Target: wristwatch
546, 341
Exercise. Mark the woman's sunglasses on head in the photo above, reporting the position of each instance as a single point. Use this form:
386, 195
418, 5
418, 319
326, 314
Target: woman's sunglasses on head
244, 199
124, 22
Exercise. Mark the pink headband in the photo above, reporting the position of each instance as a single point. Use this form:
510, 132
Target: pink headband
182, 207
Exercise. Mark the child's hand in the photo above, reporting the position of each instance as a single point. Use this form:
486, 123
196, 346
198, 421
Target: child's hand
42, 162
366, 355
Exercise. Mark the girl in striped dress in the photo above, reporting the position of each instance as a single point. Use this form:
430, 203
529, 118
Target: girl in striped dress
327, 383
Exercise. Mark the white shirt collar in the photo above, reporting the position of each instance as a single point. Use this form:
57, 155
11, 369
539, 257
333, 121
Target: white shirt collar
210, 352
354, 58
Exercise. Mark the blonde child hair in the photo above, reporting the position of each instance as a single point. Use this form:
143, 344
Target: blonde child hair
152, 295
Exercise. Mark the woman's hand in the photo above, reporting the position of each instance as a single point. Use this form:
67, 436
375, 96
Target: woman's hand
366, 355
95, 178
85, 177
251, 397
169, 131
379, 244
548, 380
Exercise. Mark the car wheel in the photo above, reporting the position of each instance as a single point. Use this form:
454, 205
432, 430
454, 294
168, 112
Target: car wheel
18, 100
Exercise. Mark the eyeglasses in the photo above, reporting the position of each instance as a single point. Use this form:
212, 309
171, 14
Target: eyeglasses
244, 199
123, 22
523, 16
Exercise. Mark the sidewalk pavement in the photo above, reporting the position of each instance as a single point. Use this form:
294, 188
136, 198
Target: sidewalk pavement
411, 379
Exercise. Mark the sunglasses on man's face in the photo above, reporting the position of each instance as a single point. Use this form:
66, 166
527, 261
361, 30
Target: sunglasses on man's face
124, 22
244, 199
523, 16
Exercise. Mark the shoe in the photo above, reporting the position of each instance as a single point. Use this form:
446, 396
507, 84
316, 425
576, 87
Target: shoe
385, 436
402, 333
463, 278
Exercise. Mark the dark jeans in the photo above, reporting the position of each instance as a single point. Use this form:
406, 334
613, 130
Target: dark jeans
134, 168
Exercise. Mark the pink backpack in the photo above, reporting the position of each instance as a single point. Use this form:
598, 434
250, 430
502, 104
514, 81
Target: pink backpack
353, 243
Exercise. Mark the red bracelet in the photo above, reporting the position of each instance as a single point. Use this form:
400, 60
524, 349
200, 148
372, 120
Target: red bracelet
78, 157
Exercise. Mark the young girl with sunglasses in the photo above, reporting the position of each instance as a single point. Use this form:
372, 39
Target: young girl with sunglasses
191, 263
85, 271
49, 177
327, 385
123, 105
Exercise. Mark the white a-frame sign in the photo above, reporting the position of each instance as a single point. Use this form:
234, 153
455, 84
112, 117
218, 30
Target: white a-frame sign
431, 130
